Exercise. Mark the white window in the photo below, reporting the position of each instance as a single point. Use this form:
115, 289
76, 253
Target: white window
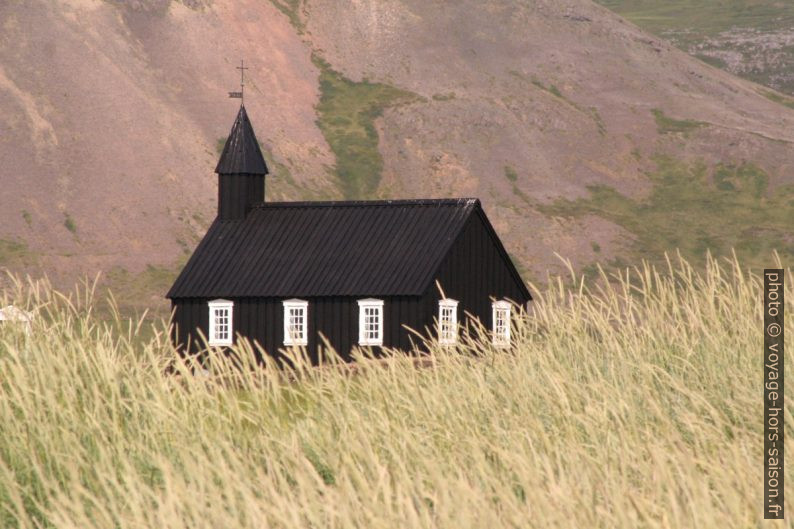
501, 323
221, 322
447, 321
370, 322
295, 315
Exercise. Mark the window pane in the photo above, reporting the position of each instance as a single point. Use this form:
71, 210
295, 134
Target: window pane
295, 324
371, 324
221, 317
447, 323
502, 325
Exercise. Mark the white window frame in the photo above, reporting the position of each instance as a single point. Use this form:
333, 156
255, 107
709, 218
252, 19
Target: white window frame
501, 333
301, 337
221, 304
363, 306
447, 326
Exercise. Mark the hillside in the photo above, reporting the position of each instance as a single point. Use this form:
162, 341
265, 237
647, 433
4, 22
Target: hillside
582, 134
752, 39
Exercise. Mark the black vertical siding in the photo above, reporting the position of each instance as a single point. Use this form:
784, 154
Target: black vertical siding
261, 320
237, 193
475, 271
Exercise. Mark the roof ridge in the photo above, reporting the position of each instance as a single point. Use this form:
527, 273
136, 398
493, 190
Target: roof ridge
383, 202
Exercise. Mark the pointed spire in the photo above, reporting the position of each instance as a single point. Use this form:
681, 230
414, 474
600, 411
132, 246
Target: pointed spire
241, 154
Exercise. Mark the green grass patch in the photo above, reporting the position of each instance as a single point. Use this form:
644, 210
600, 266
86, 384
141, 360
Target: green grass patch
592, 112
137, 291
552, 89
779, 98
698, 26
520, 194
668, 125
696, 208
704, 26
220, 143
599, 121
152, 279
14, 252
712, 61
706, 17
512, 177
346, 116
291, 8
68, 222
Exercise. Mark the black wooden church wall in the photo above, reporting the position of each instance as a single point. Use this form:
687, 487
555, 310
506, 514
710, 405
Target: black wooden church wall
474, 272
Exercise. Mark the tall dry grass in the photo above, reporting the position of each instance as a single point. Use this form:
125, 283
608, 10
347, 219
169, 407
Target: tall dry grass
633, 405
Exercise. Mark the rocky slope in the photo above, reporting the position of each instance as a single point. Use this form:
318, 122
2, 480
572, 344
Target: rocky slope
582, 134
751, 39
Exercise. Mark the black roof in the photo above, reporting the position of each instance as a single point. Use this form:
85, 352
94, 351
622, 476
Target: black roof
357, 248
241, 154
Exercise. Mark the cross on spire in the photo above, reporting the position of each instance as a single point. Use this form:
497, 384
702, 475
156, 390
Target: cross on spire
240, 95
242, 69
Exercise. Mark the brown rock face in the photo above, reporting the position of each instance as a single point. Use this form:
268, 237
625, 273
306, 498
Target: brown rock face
111, 113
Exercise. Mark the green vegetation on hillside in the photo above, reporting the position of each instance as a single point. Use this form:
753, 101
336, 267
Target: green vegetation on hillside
553, 90
220, 143
69, 224
706, 17
291, 8
346, 116
512, 177
667, 125
753, 31
589, 420
778, 98
697, 208
449, 96
14, 253
136, 290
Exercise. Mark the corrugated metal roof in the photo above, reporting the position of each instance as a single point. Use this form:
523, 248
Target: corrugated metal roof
359, 248
241, 154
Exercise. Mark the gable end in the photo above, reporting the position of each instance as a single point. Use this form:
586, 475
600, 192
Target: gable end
492, 238
505, 256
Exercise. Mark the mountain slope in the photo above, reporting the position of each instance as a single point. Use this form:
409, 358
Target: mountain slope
548, 110
752, 39
565, 119
110, 118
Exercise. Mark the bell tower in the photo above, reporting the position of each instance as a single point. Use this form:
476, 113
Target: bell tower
241, 171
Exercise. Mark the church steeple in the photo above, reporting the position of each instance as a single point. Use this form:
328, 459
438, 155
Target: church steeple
241, 171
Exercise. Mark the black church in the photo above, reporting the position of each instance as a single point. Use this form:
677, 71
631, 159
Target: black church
358, 273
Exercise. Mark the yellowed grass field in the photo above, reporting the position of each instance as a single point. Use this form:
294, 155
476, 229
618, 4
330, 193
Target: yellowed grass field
633, 405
